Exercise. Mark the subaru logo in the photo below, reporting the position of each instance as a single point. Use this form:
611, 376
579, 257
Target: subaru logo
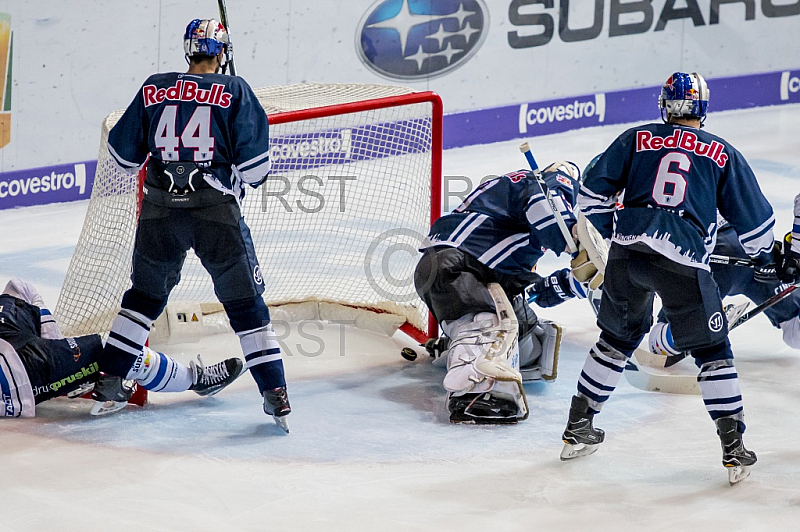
420, 39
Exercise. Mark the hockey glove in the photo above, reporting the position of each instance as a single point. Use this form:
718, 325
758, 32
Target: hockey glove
584, 271
789, 270
765, 270
554, 289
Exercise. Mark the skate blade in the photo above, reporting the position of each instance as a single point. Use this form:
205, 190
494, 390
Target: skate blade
282, 422
737, 473
578, 450
102, 408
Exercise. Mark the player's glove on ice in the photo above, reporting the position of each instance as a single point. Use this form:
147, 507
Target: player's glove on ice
554, 289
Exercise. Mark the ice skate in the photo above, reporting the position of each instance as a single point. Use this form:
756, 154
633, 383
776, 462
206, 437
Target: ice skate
110, 395
209, 380
276, 404
81, 390
580, 437
735, 457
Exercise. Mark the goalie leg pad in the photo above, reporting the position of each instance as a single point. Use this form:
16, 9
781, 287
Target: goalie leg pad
484, 355
548, 335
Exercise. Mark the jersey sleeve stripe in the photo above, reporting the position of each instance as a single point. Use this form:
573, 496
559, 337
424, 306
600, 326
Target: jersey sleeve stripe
466, 227
255, 161
758, 231
126, 165
503, 249
255, 173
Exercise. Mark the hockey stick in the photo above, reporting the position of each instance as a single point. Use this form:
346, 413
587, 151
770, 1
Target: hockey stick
731, 261
525, 148
644, 379
223, 15
774, 300
640, 378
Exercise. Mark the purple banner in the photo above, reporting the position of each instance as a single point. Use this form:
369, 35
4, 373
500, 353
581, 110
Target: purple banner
532, 119
52, 184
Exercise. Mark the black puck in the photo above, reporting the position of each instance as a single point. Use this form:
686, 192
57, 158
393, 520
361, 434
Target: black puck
409, 354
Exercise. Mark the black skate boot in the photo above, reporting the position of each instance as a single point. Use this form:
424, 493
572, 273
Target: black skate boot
110, 394
276, 404
735, 457
483, 408
580, 437
209, 380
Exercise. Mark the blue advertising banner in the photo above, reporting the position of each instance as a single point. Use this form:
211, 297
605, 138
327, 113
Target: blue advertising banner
52, 184
532, 119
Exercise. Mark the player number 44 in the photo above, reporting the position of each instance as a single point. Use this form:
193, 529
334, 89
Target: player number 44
669, 189
196, 135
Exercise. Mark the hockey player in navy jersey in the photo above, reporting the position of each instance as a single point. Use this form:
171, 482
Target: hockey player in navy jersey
37, 363
476, 261
673, 177
205, 136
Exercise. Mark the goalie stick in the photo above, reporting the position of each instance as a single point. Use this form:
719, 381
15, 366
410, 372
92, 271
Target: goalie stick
644, 379
525, 148
223, 15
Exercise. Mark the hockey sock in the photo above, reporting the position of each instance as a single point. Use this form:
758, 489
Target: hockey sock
125, 342
719, 386
263, 356
158, 372
250, 319
600, 374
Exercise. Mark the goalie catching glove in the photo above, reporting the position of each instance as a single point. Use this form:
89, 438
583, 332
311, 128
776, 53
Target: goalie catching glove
584, 271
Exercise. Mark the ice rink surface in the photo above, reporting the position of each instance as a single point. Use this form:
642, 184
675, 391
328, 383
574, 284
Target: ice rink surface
371, 447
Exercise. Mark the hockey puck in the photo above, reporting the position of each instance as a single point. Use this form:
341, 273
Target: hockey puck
409, 354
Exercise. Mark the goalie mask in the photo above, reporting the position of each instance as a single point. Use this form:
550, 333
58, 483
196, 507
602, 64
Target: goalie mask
684, 96
206, 37
563, 177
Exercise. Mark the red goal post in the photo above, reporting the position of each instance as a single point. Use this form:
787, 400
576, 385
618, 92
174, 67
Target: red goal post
355, 184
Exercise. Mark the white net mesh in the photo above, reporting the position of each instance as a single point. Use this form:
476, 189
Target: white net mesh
339, 220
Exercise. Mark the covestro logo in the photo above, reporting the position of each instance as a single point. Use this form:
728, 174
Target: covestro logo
591, 108
51, 184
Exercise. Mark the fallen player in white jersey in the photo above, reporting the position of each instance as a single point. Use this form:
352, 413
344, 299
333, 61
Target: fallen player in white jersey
37, 363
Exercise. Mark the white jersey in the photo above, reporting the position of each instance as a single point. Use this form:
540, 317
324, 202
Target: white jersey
15, 386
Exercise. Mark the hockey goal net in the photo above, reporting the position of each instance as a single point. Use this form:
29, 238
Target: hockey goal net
354, 187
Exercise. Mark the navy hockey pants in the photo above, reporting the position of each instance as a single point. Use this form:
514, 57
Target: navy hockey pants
689, 296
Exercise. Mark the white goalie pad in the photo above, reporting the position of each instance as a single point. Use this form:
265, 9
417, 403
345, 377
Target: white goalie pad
593, 242
484, 355
547, 335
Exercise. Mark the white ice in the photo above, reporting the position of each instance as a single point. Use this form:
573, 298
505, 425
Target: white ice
371, 447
